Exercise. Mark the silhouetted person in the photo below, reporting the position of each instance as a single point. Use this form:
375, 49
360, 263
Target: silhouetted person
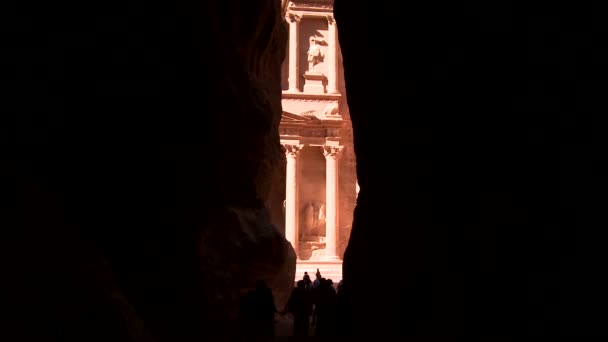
307, 281
257, 313
330, 283
325, 309
314, 291
300, 306
317, 279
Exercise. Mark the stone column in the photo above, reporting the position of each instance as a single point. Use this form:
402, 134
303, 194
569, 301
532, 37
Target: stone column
332, 56
294, 65
331, 202
291, 195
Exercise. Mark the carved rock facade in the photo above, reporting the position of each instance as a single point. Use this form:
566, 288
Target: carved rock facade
316, 118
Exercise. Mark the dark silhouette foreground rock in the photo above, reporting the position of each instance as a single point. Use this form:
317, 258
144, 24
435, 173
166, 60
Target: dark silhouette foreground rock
143, 142
476, 168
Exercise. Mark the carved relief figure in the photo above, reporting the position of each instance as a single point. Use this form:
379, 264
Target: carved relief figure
321, 216
313, 219
315, 54
309, 219
331, 109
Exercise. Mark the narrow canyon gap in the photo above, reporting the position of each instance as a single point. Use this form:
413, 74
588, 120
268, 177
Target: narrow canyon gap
139, 141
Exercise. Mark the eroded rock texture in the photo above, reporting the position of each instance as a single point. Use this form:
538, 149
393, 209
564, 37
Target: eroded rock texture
145, 136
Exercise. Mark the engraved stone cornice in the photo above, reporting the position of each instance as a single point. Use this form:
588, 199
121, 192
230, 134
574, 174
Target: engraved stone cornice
306, 132
331, 151
310, 97
292, 150
321, 4
330, 19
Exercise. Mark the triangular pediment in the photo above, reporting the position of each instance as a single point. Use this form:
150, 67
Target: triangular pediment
291, 117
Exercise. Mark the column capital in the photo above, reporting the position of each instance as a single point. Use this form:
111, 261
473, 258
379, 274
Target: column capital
293, 18
331, 151
292, 150
330, 19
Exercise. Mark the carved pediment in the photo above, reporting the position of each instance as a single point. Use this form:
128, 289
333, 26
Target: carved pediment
309, 114
291, 117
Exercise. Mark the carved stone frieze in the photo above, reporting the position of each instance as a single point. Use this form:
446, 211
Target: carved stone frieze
333, 132
307, 132
317, 4
287, 95
309, 99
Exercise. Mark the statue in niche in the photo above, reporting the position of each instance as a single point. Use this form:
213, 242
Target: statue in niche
315, 53
321, 216
313, 219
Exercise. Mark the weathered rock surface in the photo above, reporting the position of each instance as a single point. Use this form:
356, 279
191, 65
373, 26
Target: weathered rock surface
246, 249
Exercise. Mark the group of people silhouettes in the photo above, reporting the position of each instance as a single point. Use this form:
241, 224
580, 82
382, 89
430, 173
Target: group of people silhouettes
315, 304
317, 308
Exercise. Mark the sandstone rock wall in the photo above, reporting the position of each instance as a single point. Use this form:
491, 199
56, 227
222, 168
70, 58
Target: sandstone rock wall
147, 139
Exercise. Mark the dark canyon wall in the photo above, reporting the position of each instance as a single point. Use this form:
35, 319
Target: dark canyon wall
477, 166
139, 148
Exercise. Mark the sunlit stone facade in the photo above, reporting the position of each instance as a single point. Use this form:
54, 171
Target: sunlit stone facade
320, 181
